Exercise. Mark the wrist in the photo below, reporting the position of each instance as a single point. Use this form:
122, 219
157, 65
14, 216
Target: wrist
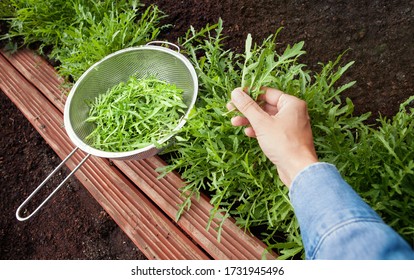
289, 171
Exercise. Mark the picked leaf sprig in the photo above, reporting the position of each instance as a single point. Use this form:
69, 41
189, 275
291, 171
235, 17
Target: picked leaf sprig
262, 64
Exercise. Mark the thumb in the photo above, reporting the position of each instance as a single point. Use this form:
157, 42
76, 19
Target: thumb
247, 106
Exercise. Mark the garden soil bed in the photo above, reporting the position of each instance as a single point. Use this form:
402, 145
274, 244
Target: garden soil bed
379, 37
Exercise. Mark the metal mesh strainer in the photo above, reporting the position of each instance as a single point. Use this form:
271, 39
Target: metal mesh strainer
166, 64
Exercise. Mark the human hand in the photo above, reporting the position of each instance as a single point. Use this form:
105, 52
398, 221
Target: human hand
282, 127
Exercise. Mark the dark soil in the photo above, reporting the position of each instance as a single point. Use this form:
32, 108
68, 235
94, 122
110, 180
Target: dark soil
379, 37
72, 225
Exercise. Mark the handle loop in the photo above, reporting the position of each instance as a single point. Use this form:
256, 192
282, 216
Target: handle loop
164, 42
18, 215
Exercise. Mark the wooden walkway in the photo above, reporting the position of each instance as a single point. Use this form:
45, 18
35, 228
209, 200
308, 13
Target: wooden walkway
142, 205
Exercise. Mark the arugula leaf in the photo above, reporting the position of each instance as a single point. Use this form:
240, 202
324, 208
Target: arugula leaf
135, 114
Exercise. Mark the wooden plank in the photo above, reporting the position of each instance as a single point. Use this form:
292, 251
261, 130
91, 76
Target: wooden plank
153, 233
41, 74
235, 243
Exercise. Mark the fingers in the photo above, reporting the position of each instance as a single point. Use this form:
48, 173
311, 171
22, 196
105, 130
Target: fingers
254, 115
271, 96
247, 106
230, 106
269, 101
249, 131
242, 121
239, 121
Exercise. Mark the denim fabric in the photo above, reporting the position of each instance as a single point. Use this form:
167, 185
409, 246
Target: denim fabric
336, 223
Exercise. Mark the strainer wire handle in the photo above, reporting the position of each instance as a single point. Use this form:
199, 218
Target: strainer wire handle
164, 42
21, 207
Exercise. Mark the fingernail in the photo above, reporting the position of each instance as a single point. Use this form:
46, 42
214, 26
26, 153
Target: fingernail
237, 94
233, 120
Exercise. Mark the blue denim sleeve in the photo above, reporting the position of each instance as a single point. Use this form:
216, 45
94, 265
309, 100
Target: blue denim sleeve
336, 223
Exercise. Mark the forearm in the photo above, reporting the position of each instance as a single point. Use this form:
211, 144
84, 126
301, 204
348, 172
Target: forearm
336, 223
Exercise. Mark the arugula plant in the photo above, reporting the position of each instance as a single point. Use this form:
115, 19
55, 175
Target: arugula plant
81, 32
261, 63
6, 9
94, 38
383, 170
216, 158
219, 159
212, 155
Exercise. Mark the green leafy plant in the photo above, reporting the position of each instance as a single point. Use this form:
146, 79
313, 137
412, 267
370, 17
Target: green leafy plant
135, 114
213, 156
383, 169
94, 38
262, 63
220, 160
40, 21
6, 9
81, 32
